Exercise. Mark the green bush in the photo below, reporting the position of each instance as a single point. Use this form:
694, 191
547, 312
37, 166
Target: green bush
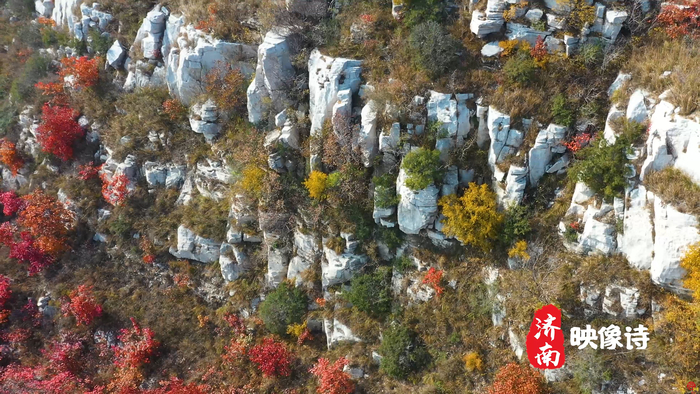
385, 191
392, 237
371, 293
602, 166
402, 352
591, 53
435, 50
419, 11
100, 44
34, 69
403, 264
561, 113
520, 69
516, 225
285, 306
422, 168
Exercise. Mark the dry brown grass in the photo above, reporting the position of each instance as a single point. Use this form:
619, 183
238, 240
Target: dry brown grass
676, 188
679, 57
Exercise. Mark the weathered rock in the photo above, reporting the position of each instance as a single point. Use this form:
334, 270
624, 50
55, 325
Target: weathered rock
517, 31
491, 49
590, 296
555, 22
442, 108
561, 7
547, 143
140, 76
63, 14
172, 29
233, 262
619, 81
534, 14
204, 119
673, 233
482, 135
327, 77
516, 181
44, 7
273, 76
622, 302
673, 140
484, 23
598, 238
116, 55
417, 210
339, 268
211, 179
288, 137
367, 138
637, 108
613, 23
637, 242
150, 34
337, 332
169, 175
277, 264
609, 133
389, 142
196, 55
193, 247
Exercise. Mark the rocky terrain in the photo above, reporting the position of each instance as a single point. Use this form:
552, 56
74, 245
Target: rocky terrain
212, 196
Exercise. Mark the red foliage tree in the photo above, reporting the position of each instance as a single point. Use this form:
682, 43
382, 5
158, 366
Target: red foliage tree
24, 379
87, 172
58, 131
177, 386
84, 70
514, 378
10, 157
137, 347
55, 91
82, 305
578, 142
5, 294
539, 51
26, 250
48, 221
271, 357
433, 278
681, 18
64, 356
11, 203
115, 189
332, 379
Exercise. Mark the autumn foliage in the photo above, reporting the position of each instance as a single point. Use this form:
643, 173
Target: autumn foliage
316, 184
539, 52
48, 221
137, 348
58, 131
514, 378
10, 157
271, 357
227, 87
82, 305
5, 294
331, 377
11, 203
115, 189
84, 70
433, 278
680, 18
473, 218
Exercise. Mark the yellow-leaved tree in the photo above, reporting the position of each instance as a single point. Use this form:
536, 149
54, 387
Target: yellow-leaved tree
316, 184
473, 218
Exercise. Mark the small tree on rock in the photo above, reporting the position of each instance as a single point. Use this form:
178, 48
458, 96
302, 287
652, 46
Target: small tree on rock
473, 218
285, 306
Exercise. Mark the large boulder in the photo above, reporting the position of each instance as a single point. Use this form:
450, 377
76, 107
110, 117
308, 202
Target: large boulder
337, 332
307, 250
442, 108
212, 179
196, 55
673, 141
232, 261
622, 302
417, 210
204, 119
339, 268
491, 21
673, 233
367, 138
169, 175
636, 242
547, 143
193, 247
517, 31
150, 34
327, 77
44, 7
116, 55
141, 75
516, 181
273, 76
63, 13
637, 108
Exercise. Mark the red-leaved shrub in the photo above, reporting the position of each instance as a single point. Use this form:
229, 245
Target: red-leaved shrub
115, 189
82, 305
11, 203
137, 347
84, 70
10, 157
680, 18
514, 378
331, 378
58, 131
271, 357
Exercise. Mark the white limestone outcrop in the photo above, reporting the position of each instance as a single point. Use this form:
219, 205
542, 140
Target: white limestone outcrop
274, 75
417, 210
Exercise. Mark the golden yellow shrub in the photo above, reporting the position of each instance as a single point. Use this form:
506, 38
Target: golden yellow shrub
473, 218
316, 184
252, 180
508, 47
691, 263
519, 250
296, 330
472, 362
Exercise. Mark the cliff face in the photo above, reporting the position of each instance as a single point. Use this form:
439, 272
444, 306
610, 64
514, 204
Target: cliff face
330, 160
